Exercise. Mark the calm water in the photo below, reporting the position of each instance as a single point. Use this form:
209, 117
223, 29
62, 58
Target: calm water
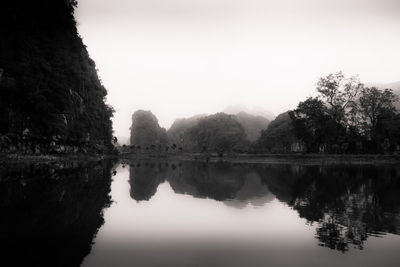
161, 213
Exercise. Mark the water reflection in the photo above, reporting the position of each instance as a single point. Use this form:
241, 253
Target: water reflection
166, 213
50, 213
347, 203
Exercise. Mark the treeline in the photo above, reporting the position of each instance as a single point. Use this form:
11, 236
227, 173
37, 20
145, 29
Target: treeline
345, 117
51, 98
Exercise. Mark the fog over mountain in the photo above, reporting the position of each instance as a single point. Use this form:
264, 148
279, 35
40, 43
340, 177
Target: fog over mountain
256, 111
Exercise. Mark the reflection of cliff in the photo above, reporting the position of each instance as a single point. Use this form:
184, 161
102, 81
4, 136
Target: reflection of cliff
218, 181
50, 214
144, 178
348, 203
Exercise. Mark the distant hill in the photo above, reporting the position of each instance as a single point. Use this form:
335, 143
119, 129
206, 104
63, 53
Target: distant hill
180, 126
252, 125
217, 132
214, 133
256, 111
279, 136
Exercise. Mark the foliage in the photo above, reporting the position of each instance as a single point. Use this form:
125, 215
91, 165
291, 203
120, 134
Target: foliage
314, 126
49, 83
347, 117
339, 93
373, 104
279, 136
218, 132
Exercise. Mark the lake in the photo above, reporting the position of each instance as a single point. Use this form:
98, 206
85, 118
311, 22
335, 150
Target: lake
186, 213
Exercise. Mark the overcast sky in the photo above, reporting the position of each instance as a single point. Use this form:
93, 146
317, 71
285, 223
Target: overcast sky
178, 58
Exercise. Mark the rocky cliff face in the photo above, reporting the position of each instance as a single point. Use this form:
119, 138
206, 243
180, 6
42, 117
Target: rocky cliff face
50, 95
146, 133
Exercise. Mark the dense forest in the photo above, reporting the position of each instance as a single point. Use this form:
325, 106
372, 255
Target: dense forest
345, 116
51, 98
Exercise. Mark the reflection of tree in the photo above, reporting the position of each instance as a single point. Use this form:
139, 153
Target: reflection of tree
50, 214
331, 234
349, 203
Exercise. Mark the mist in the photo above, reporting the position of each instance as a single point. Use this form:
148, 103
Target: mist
180, 58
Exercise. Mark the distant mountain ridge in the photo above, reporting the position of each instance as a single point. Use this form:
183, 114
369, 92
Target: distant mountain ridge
252, 125
180, 127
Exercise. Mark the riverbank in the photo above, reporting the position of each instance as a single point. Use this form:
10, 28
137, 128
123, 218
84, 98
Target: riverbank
44, 158
303, 159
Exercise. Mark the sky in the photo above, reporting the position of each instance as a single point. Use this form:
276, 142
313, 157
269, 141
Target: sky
179, 58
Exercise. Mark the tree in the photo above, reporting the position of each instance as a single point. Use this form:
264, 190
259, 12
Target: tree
279, 136
374, 104
339, 93
314, 126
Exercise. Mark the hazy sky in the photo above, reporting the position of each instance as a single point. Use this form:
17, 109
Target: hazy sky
183, 57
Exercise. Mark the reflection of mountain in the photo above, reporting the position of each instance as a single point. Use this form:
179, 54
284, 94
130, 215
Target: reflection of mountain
50, 214
219, 181
348, 203
144, 178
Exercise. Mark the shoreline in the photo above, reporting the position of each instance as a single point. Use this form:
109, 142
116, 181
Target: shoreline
16, 158
302, 159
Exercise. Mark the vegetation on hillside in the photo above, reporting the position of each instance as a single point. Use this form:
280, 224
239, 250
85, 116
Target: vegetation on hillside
279, 136
51, 98
252, 125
